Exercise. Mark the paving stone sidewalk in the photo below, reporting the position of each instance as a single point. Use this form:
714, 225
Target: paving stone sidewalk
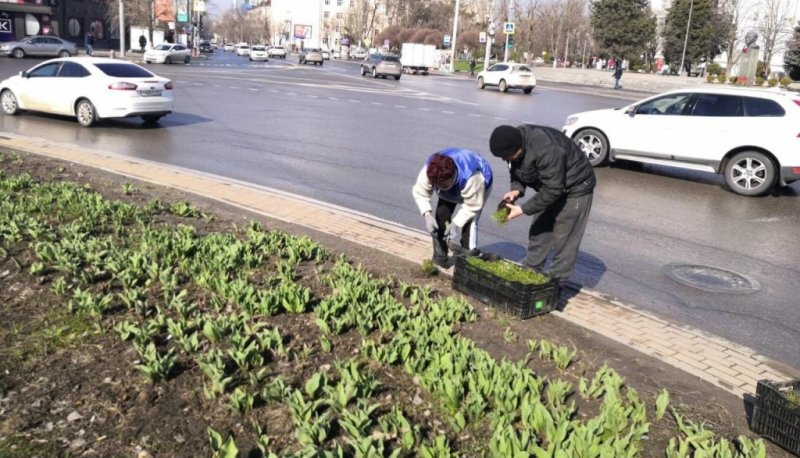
732, 367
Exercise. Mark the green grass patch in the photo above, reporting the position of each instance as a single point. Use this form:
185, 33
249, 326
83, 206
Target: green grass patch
509, 271
500, 216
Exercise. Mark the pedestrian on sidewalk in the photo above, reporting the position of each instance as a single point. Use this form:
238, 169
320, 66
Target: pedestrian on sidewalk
88, 43
142, 43
472, 64
546, 160
460, 177
617, 76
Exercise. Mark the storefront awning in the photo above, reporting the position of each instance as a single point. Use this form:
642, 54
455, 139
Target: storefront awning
23, 8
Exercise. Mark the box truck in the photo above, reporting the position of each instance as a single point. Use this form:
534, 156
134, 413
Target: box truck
417, 57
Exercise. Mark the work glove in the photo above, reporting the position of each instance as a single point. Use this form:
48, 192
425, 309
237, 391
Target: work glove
430, 223
453, 234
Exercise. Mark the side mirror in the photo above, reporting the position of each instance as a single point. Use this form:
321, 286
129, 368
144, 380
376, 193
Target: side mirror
631, 110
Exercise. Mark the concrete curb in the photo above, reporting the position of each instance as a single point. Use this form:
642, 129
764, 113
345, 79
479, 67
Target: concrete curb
730, 366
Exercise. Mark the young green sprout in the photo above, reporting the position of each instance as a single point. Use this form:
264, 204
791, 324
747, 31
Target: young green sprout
428, 267
500, 216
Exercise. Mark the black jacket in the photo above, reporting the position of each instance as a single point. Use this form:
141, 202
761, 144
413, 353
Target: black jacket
553, 165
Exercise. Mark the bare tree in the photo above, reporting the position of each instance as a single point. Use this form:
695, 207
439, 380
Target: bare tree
733, 13
772, 24
359, 20
137, 13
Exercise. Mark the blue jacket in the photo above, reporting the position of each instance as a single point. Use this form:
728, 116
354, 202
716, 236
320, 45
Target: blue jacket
467, 162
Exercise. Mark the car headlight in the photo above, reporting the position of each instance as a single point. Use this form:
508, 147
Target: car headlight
571, 120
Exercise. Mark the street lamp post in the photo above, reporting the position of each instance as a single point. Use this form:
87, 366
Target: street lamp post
121, 30
686, 39
489, 38
453, 42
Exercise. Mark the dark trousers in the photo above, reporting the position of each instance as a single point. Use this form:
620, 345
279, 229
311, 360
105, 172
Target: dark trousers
559, 229
444, 215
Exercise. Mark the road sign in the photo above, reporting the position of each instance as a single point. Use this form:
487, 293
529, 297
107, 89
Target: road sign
482, 37
447, 40
508, 28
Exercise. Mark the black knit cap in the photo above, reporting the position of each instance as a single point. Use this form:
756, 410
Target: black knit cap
505, 141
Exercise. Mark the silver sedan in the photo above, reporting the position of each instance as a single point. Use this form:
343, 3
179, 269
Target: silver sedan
39, 46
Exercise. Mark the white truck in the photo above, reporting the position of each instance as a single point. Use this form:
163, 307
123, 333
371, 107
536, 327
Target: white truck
417, 57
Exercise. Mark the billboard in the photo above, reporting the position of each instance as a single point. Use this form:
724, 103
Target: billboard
165, 10
183, 10
302, 32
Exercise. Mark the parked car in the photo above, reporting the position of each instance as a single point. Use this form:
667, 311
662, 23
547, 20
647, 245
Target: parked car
310, 55
242, 49
259, 52
206, 47
228, 47
277, 51
326, 55
747, 135
39, 46
382, 65
89, 89
168, 53
337, 54
508, 75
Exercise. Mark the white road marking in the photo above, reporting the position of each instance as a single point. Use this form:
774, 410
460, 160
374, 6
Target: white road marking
423, 109
399, 106
448, 112
377, 103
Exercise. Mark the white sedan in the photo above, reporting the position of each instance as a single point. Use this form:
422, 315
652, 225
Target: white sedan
89, 89
259, 53
508, 75
168, 53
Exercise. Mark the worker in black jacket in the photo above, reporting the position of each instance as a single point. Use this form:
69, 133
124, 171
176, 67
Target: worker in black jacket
546, 160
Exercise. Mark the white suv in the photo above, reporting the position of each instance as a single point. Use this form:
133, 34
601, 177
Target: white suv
748, 135
277, 51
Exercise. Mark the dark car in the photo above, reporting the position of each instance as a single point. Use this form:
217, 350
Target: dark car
206, 47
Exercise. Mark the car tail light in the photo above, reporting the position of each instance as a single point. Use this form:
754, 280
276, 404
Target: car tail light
168, 85
122, 86
796, 170
796, 102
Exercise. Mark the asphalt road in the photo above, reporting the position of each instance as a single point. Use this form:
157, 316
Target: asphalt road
330, 134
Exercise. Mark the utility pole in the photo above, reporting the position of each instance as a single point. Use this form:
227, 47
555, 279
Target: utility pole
489, 38
453, 50
121, 30
686, 39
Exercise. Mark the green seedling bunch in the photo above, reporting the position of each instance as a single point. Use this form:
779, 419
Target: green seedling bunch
222, 448
500, 216
509, 271
696, 440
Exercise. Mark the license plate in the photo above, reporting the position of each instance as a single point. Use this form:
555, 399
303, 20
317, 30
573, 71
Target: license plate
150, 92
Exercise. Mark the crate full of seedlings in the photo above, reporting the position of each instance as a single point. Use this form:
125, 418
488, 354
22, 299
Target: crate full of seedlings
516, 290
777, 413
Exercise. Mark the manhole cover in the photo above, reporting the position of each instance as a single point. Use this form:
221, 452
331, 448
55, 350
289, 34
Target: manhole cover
712, 279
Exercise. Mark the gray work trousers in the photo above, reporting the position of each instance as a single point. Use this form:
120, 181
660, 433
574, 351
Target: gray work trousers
560, 229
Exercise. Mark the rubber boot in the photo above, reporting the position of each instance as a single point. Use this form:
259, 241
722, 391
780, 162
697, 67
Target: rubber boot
440, 257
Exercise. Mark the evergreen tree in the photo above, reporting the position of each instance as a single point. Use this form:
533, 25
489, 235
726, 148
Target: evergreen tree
791, 59
706, 32
622, 28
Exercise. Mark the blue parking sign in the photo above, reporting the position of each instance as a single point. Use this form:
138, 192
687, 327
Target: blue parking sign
447, 40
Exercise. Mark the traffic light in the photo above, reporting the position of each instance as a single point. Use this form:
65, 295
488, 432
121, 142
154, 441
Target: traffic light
510, 41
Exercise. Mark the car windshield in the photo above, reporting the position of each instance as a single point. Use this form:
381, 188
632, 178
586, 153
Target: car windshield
121, 70
258, 48
163, 47
391, 59
522, 68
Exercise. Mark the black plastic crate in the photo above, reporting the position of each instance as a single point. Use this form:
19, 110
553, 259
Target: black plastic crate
518, 299
774, 417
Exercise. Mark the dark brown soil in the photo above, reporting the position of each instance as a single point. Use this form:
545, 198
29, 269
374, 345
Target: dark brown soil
69, 385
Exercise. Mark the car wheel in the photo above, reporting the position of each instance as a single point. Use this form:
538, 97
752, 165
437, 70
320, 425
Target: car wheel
396, 77
63, 53
187, 60
503, 86
481, 84
527, 90
363, 71
85, 113
18, 53
151, 119
9, 102
374, 72
594, 144
320, 64
168, 60
750, 173
251, 59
